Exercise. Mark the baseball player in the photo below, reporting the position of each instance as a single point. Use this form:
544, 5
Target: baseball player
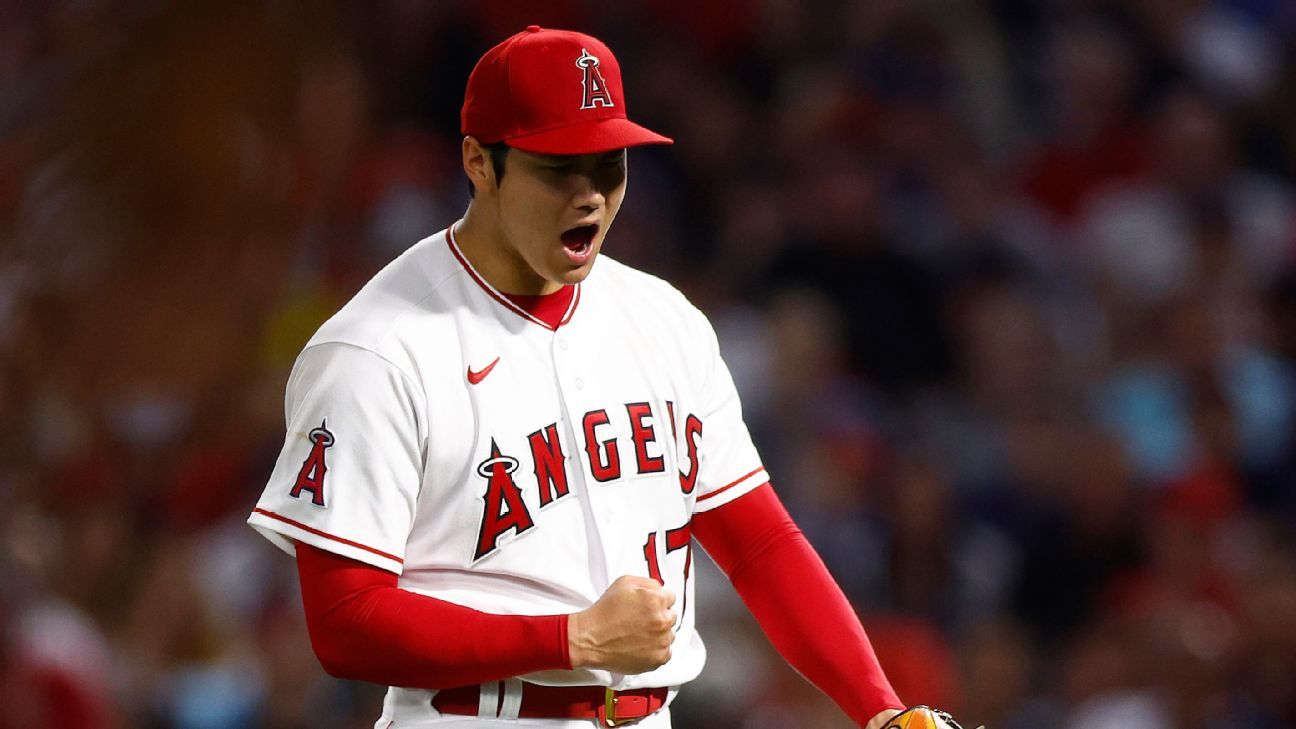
499, 453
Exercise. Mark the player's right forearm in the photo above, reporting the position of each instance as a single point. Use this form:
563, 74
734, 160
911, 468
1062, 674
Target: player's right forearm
365, 628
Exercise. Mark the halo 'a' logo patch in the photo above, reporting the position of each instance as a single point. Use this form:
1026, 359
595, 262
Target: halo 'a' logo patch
504, 507
595, 88
311, 476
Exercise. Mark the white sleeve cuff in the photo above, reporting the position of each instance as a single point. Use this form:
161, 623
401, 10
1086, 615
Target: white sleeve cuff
282, 532
732, 490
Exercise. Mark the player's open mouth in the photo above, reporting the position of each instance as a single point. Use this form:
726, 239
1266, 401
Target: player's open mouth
580, 240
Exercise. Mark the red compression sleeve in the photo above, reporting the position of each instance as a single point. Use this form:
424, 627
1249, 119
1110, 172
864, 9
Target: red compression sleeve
363, 627
796, 601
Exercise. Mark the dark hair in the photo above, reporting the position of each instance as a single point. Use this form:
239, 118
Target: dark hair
498, 152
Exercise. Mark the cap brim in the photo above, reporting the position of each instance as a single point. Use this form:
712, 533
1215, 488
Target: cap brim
592, 137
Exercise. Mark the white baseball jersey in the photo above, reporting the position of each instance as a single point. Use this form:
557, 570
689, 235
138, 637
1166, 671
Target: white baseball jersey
437, 431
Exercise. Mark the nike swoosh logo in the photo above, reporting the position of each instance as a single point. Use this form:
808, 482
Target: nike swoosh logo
478, 376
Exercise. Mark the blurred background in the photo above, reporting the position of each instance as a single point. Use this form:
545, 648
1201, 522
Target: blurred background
1008, 288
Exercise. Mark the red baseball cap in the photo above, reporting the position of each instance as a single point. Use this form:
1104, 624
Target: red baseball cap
551, 92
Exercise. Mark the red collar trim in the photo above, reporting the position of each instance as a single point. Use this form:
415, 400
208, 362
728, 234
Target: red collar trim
552, 308
526, 305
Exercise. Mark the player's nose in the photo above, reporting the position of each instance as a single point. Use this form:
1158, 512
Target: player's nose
586, 193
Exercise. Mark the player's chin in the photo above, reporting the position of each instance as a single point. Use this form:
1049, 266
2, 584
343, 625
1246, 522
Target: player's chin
573, 274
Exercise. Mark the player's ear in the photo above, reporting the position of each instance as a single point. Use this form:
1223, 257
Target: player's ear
477, 165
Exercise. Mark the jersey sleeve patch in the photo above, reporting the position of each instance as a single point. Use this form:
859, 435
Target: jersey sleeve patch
311, 476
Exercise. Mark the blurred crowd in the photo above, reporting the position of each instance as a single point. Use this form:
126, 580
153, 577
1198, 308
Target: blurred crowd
1008, 288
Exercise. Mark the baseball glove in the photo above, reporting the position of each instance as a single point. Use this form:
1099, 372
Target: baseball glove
922, 717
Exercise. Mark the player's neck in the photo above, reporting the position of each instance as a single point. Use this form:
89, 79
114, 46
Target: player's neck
487, 249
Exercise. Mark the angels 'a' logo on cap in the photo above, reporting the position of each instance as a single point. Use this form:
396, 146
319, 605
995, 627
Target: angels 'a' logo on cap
595, 88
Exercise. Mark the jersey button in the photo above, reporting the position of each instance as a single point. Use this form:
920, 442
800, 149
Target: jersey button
562, 344
580, 384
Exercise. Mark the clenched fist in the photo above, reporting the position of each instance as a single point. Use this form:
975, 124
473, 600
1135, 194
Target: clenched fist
629, 629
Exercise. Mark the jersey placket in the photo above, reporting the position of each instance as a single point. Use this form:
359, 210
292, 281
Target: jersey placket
569, 378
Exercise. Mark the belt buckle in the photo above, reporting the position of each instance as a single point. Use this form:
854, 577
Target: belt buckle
609, 717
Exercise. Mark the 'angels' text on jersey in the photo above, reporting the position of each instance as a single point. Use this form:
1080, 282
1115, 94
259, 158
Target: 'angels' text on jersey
503, 508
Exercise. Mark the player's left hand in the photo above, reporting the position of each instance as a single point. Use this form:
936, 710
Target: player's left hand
915, 717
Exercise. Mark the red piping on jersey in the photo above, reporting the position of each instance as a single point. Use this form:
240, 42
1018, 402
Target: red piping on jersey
501, 298
317, 532
730, 485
